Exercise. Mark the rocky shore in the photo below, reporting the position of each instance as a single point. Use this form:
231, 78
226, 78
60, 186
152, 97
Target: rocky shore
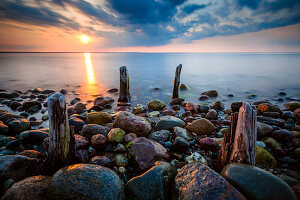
156, 151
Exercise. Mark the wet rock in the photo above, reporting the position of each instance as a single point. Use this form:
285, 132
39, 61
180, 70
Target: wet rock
283, 135
212, 114
7, 95
289, 180
181, 132
271, 143
176, 101
297, 153
271, 121
201, 127
81, 142
176, 107
156, 183
116, 135
100, 118
32, 154
211, 93
98, 141
18, 167
102, 101
292, 106
196, 157
203, 108
12, 145
76, 123
4, 130
267, 107
204, 98
255, 183
34, 187
139, 108
113, 90
147, 152
180, 144
95, 108
121, 160
183, 87
33, 137
63, 91
153, 114
168, 111
168, 123
132, 123
297, 115
81, 156
101, 160
92, 129
5, 140
79, 108
27, 105
218, 105
197, 181
208, 144
192, 107
14, 105
161, 135
120, 148
85, 181
130, 137
75, 100
17, 126
263, 129
264, 158
156, 104
272, 114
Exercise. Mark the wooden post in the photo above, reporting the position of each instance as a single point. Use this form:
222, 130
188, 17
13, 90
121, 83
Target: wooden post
124, 95
239, 143
61, 144
176, 81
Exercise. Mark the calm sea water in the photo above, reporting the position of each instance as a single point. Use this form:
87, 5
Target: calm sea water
90, 74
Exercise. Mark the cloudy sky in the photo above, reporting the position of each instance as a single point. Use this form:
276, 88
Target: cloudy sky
150, 25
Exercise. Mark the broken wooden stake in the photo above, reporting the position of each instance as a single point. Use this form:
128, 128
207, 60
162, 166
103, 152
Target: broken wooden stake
176, 81
61, 144
124, 95
239, 143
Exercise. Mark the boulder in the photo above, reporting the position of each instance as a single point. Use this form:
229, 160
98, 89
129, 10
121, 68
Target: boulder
255, 183
132, 123
34, 187
263, 129
264, 158
156, 183
153, 114
100, 118
168, 123
197, 181
156, 104
201, 127
86, 181
147, 152
4, 130
33, 137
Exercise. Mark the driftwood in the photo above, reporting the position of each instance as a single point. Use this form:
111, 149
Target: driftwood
239, 143
124, 95
61, 144
176, 81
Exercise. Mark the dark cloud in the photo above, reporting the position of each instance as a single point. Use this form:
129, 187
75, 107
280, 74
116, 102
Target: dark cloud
252, 4
188, 9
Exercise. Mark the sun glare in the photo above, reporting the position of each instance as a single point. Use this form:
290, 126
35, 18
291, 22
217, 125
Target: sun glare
85, 39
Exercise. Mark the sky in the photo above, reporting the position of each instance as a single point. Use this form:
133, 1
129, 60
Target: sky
150, 25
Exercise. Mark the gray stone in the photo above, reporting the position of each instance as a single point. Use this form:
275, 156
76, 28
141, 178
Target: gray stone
169, 122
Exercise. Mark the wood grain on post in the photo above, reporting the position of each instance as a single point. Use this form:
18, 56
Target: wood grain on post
176, 81
61, 144
124, 95
239, 143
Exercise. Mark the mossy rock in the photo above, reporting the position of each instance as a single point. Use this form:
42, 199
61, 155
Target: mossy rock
100, 118
292, 106
116, 135
264, 158
156, 104
271, 143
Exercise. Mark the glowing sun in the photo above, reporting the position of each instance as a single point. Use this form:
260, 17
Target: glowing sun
85, 39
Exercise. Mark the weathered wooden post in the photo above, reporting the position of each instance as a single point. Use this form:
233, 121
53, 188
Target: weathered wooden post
124, 95
61, 144
239, 143
176, 81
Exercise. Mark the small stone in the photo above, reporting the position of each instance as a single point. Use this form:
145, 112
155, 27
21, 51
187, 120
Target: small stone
292, 106
161, 135
168, 111
100, 118
196, 157
211, 93
182, 132
204, 98
156, 105
103, 101
116, 135
180, 144
183, 87
98, 141
139, 108
168, 123
101, 160
201, 127
154, 114
218, 105
263, 129
283, 135
130, 137
212, 114
208, 144
176, 101
121, 160
93, 129
192, 107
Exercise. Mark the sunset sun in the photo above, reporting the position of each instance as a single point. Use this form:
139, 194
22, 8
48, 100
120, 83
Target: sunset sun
85, 39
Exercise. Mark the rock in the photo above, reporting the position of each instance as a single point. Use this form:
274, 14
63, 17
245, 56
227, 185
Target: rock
272, 114
116, 135
98, 141
168, 123
79, 108
271, 121
33, 137
192, 107
162, 135
211, 93
92, 129
14, 105
63, 91
95, 108
181, 132
120, 148
130, 137
297, 153
101, 160
180, 144
297, 115
132, 124
81, 142
100, 118
176, 107
292, 106
5, 140
45, 117
32, 154
156, 183
255, 183
139, 108
218, 105
212, 114
196, 157
113, 90
283, 135
263, 129
4, 130
201, 127
183, 87
121, 160
85, 181
17, 126
197, 181
235, 106
267, 107
18, 167
75, 100
208, 144
289, 180
203, 108
156, 104
271, 143
264, 158
168, 111
7, 95
176, 101
147, 152
153, 114
103, 101
76, 123
34, 187
30, 104
204, 98
12, 145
